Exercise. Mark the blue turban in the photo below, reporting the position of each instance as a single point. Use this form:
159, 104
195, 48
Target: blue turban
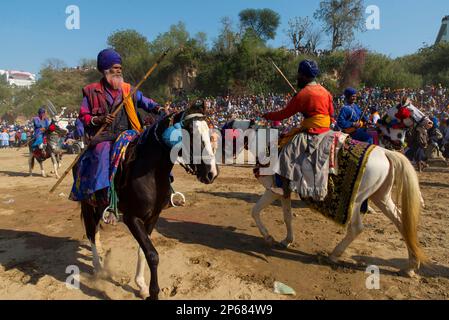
107, 58
436, 123
309, 68
41, 111
349, 92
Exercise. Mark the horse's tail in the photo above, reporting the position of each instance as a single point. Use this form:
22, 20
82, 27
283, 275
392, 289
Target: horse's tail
31, 158
408, 192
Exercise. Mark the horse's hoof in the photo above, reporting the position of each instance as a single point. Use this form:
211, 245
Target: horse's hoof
269, 241
153, 297
285, 244
334, 259
411, 274
144, 294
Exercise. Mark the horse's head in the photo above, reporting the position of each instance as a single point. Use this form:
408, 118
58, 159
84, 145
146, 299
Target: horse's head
203, 164
55, 129
401, 118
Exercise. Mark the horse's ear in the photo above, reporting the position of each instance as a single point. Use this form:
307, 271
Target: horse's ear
198, 106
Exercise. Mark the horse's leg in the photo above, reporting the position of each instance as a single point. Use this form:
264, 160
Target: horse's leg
140, 233
355, 228
54, 160
91, 220
287, 210
41, 164
140, 272
31, 164
384, 202
268, 198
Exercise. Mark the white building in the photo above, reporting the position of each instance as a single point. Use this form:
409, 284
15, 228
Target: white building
19, 78
443, 35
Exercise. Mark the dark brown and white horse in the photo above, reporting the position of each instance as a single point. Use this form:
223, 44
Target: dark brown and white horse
143, 188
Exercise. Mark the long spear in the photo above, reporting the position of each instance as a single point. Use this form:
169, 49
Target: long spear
117, 110
283, 75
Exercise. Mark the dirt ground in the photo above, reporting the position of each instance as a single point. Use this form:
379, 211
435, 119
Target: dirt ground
210, 249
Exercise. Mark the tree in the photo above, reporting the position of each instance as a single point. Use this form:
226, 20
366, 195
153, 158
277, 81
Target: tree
128, 43
263, 22
201, 40
298, 28
54, 64
313, 39
176, 37
88, 63
340, 19
228, 38
134, 49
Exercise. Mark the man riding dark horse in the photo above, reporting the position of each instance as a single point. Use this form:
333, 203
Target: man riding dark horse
99, 101
41, 124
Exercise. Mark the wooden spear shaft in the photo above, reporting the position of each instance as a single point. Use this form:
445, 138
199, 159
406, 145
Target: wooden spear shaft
116, 111
283, 75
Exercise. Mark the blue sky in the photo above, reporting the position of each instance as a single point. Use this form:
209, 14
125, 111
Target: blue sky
33, 31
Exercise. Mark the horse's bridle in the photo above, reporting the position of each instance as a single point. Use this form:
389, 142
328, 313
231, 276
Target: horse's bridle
190, 168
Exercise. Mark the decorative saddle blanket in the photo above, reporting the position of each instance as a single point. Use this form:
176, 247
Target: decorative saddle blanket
343, 188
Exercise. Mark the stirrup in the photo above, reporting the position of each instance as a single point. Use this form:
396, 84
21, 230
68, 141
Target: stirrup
109, 216
172, 199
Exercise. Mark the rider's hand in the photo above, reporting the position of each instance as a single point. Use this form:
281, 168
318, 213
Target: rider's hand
103, 120
110, 119
42, 129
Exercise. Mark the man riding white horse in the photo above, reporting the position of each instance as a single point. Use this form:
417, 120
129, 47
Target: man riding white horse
314, 102
339, 186
92, 178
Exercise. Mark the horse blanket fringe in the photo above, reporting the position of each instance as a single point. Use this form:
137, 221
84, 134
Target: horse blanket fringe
343, 188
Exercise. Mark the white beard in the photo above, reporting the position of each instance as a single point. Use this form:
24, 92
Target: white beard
115, 82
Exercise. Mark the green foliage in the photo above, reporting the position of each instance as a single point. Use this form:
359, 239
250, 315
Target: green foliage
237, 63
432, 63
262, 22
382, 71
340, 19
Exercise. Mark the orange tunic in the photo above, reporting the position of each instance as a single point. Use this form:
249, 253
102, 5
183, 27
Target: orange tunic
313, 100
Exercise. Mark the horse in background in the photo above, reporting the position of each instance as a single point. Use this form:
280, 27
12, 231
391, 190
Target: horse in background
397, 123
50, 148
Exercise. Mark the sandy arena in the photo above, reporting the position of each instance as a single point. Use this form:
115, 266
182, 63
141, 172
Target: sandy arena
210, 249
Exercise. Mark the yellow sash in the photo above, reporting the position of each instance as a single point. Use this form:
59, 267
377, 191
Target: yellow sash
318, 121
129, 108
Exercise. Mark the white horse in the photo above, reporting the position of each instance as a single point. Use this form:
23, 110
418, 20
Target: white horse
396, 136
384, 169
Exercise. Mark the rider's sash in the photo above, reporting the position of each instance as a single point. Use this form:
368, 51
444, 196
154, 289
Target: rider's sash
317, 121
129, 108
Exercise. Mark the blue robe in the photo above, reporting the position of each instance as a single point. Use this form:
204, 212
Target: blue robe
350, 114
